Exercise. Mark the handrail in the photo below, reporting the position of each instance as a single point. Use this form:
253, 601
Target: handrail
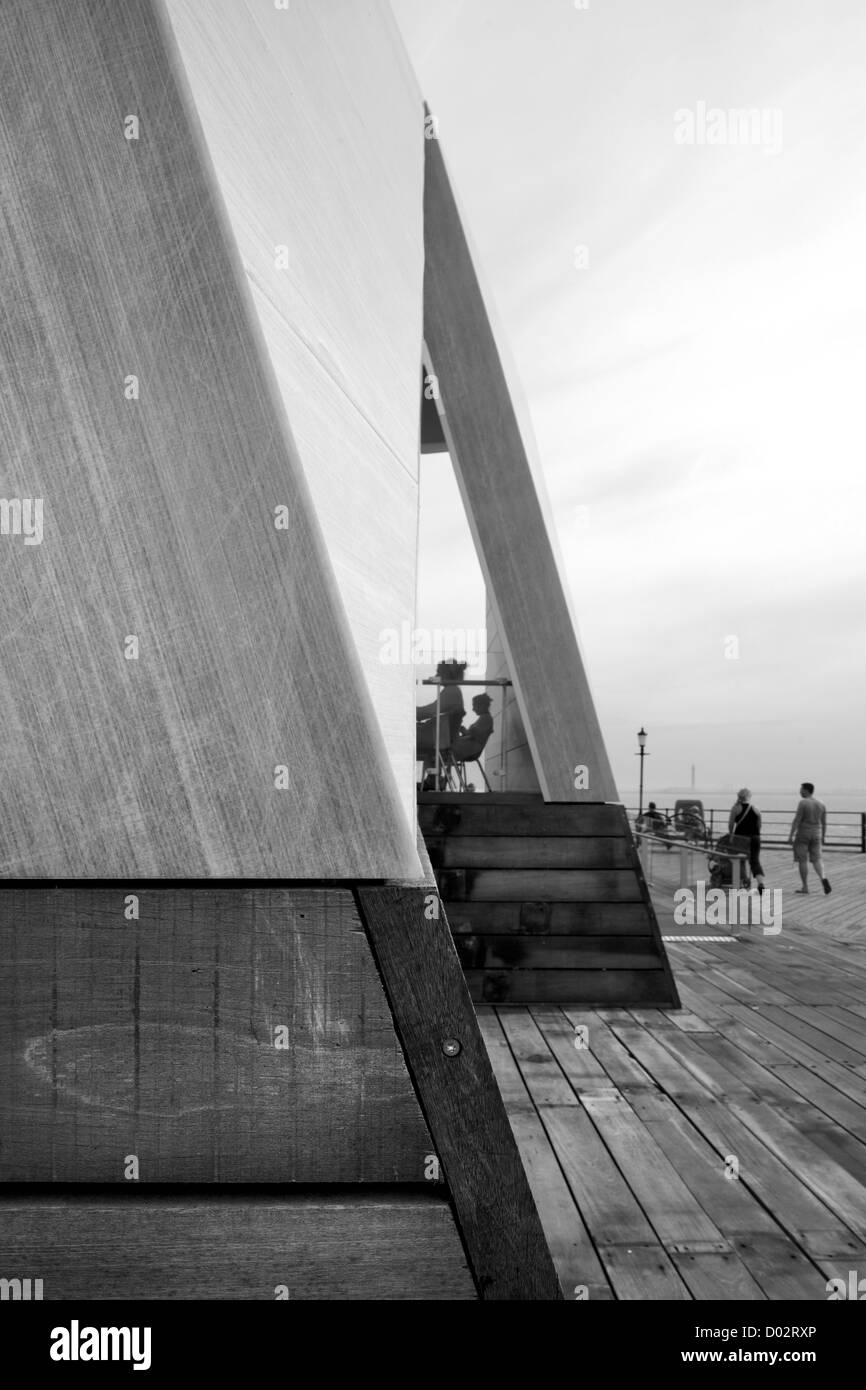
775, 835
680, 842
685, 849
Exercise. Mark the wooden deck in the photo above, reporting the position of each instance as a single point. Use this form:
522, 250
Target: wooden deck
719, 1151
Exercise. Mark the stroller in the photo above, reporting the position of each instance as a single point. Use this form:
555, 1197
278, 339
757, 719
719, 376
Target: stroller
721, 870
689, 822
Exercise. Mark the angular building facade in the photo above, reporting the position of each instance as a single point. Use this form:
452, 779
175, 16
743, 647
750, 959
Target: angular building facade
229, 251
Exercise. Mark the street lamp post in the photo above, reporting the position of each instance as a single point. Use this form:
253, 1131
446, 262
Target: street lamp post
641, 738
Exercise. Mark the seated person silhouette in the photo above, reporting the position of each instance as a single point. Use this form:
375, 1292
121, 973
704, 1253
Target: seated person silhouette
470, 742
450, 705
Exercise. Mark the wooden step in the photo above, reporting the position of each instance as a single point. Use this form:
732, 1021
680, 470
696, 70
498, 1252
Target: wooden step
557, 952
461, 816
528, 852
546, 901
547, 885
536, 918
593, 988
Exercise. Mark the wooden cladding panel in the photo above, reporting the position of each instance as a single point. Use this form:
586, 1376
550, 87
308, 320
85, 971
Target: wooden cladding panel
588, 987
380, 1246
549, 885
527, 816
157, 1037
528, 852
548, 919
546, 900
557, 952
312, 118
160, 498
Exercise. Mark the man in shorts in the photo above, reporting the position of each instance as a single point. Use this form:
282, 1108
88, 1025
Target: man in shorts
808, 832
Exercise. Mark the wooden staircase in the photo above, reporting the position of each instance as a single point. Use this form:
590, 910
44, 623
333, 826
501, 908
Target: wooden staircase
546, 901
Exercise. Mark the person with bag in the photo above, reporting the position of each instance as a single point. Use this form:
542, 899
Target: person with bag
745, 820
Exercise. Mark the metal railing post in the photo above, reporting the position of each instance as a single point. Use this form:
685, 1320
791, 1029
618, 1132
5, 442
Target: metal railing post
502, 787
685, 856
438, 698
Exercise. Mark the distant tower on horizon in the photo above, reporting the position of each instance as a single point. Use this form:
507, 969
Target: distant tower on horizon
693, 776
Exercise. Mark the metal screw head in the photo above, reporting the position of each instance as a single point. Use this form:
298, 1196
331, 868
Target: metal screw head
450, 1046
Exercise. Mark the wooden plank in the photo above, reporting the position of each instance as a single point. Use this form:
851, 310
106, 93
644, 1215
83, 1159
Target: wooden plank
502, 505
541, 1073
572, 1050
159, 1037
529, 852
348, 1246
825, 1097
471, 798
825, 1134
557, 953
781, 1269
683, 1071
689, 1022
829, 1180
432, 1011
547, 885
494, 815
757, 1078
796, 1049
160, 510
605, 1201
590, 987
852, 1033
638, 1272
811, 1222
754, 1233
718, 1275
677, 1218
576, 1261
548, 919
823, 1043
619, 1064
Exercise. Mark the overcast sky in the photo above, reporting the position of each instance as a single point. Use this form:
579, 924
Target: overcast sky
697, 387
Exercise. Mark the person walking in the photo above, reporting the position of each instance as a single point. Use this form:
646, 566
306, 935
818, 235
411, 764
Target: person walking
745, 819
808, 833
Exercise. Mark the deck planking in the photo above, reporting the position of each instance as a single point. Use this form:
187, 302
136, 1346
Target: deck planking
765, 1064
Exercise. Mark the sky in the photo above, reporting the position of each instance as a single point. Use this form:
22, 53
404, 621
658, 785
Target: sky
686, 312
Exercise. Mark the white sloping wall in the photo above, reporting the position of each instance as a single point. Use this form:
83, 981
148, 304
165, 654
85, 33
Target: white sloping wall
314, 123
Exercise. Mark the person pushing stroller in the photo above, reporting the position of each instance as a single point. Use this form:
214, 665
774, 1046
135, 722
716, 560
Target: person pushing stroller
745, 820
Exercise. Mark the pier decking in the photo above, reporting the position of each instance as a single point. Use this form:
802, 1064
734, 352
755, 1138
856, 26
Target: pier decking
719, 1151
